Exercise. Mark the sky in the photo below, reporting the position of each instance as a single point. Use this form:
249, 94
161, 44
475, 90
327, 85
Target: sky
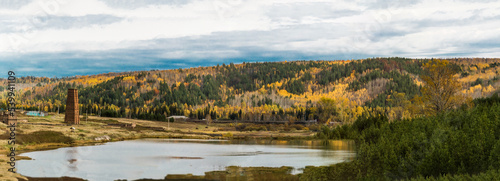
56, 38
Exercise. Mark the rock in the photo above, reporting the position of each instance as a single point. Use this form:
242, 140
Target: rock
102, 138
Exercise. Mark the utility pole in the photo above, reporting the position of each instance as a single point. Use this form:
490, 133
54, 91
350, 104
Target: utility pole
168, 121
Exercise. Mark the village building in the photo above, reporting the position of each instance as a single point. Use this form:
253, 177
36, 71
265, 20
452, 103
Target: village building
37, 113
177, 118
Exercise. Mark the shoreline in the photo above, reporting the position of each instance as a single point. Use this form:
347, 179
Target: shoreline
52, 146
97, 127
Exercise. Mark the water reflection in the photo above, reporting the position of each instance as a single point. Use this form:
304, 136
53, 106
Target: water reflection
155, 158
309, 144
72, 157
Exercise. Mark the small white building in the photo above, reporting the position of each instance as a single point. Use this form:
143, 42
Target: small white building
37, 113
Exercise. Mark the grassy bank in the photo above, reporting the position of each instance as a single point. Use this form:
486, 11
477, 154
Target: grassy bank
238, 173
456, 144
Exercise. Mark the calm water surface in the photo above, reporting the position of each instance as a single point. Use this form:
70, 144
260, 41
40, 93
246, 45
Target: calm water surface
155, 158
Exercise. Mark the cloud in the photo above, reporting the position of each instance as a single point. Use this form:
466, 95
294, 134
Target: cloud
94, 36
68, 22
134, 4
13, 4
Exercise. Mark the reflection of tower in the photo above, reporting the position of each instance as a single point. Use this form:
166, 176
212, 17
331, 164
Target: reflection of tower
72, 157
72, 112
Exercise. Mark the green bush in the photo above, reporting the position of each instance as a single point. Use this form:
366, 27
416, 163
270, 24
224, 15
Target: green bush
341, 172
254, 127
297, 126
314, 127
453, 143
488, 175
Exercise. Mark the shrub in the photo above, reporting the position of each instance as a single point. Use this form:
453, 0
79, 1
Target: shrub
228, 135
297, 126
458, 142
43, 137
314, 127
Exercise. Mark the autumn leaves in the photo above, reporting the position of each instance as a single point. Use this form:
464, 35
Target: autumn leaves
441, 90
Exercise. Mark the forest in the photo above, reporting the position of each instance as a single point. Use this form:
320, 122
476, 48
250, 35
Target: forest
411, 119
327, 91
458, 144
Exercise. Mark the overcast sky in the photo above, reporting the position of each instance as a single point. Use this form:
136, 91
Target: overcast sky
65, 38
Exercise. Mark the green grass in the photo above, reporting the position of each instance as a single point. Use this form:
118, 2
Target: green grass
41, 137
107, 121
83, 131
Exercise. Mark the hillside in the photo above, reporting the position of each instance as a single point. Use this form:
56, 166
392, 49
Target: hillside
290, 91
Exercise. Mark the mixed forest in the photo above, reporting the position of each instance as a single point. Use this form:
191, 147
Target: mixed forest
411, 119
326, 91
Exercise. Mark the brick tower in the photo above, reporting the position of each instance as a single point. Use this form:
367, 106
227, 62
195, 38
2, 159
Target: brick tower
72, 111
8, 119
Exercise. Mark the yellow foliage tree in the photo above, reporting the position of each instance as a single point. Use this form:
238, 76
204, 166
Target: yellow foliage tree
58, 104
440, 92
399, 105
327, 109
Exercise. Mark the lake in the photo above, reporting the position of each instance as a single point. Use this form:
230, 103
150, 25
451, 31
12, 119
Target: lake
155, 158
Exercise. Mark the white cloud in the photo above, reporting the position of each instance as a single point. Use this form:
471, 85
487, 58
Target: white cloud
204, 29
146, 23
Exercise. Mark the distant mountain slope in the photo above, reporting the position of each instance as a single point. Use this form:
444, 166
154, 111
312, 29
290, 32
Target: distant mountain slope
253, 91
